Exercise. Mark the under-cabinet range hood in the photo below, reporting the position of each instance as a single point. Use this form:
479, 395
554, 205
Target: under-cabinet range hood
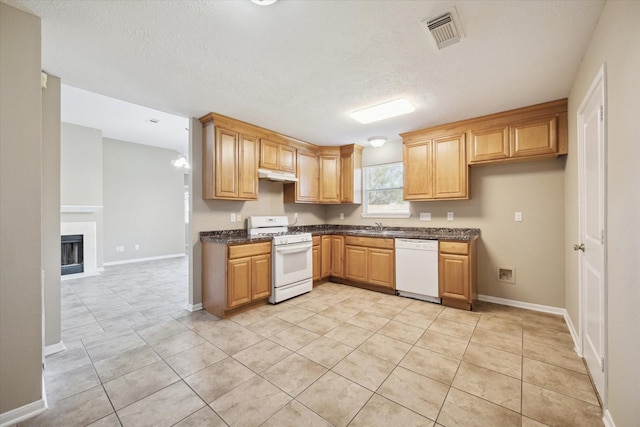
279, 176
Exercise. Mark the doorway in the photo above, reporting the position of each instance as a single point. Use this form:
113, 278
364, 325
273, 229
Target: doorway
592, 230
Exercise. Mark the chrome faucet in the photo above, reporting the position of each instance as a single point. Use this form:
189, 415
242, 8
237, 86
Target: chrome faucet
379, 226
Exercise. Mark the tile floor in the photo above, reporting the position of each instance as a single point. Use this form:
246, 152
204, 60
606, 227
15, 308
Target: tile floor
336, 356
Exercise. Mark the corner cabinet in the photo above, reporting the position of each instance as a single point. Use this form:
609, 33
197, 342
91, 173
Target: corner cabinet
329, 161
370, 260
351, 173
235, 276
457, 273
435, 166
230, 162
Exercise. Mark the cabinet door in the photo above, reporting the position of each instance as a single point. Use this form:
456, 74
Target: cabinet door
454, 277
417, 158
269, 154
308, 174
449, 167
238, 281
260, 276
226, 163
534, 137
329, 179
315, 256
287, 157
355, 263
325, 257
380, 267
248, 168
488, 144
337, 256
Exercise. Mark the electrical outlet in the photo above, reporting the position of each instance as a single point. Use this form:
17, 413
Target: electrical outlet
232, 217
137, 247
295, 216
518, 216
425, 216
341, 215
449, 216
239, 217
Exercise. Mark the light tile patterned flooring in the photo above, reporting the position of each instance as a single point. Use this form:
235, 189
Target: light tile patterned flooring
336, 356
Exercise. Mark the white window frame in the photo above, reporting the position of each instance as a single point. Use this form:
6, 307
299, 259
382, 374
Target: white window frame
365, 197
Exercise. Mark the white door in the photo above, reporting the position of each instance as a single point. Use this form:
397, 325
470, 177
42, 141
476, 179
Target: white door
592, 199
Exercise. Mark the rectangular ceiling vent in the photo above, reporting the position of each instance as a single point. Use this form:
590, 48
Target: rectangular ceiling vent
444, 30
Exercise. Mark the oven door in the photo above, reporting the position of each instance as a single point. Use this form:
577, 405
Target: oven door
292, 263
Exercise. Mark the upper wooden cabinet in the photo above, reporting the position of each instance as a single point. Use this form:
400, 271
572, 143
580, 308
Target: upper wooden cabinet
529, 133
277, 156
351, 173
435, 166
306, 190
230, 163
329, 161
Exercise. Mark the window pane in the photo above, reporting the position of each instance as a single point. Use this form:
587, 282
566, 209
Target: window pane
384, 176
386, 201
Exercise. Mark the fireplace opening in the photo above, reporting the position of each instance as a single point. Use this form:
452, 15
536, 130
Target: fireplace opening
72, 254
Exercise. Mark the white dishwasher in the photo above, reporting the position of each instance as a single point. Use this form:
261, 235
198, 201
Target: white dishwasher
417, 269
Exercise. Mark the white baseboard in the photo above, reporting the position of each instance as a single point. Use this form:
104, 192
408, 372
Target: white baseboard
194, 307
152, 258
54, 348
607, 420
521, 304
22, 413
577, 347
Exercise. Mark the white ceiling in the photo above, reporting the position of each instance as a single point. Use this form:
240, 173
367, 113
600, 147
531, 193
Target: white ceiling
299, 67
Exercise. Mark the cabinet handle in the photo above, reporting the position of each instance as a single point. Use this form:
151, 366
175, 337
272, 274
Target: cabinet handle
579, 247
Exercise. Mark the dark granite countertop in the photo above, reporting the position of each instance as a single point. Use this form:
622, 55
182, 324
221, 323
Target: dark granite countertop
236, 237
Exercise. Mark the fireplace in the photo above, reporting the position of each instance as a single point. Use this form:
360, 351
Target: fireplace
72, 254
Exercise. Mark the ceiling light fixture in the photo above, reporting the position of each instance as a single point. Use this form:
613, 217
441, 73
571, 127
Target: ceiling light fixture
377, 141
383, 111
264, 2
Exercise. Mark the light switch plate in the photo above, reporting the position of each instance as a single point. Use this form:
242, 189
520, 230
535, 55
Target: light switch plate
341, 216
518, 216
449, 216
425, 216
232, 217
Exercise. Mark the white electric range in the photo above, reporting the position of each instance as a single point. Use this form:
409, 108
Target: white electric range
292, 262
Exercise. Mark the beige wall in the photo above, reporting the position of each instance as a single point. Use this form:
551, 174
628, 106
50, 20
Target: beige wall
209, 215
81, 177
51, 209
20, 210
616, 43
143, 201
533, 247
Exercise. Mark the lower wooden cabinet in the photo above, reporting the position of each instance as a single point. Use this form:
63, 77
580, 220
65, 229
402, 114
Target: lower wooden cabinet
234, 276
325, 257
370, 260
457, 273
337, 256
316, 253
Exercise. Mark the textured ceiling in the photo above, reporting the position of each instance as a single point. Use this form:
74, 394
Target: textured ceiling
299, 67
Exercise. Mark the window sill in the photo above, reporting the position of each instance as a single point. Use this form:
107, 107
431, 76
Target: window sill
383, 215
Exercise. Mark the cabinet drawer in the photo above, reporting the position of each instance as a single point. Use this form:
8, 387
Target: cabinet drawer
370, 242
251, 249
460, 248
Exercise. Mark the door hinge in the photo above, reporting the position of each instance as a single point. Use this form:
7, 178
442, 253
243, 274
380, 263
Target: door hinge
602, 363
601, 113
